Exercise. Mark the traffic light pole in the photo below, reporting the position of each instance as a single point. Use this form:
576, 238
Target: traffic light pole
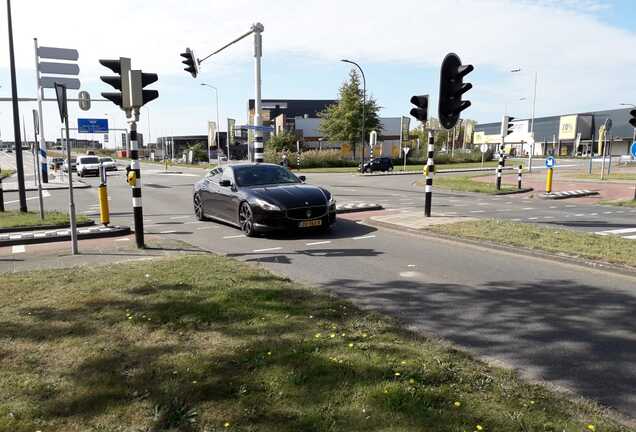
136, 187
500, 165
430, 170
258, 120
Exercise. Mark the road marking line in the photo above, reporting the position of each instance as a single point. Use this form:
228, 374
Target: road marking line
553, 207
267, 249
477, 211
179, 217
363, 237
533, 218
234, 236
516, 220
579, 215
207, 228
123, 239
318, 243
608, 212
593, 214
618, 231
548, 217
167, 232
630, 237
411, 265
18, 249
528, 208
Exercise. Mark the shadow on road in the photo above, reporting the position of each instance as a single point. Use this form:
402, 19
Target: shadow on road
577, 336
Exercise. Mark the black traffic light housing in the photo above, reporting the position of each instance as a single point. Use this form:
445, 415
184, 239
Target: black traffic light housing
148, 95
507, 126
451, 89
191, 62
632, 121
119, 82
421, 112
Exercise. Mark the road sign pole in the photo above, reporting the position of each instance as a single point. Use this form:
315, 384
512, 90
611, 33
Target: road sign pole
71, 209
44, 167
430, 170
136, 188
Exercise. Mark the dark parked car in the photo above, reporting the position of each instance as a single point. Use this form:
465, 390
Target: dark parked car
257, 197
56, 163
377, 164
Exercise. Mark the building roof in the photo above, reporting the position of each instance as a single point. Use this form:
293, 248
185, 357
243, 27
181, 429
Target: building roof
295, 107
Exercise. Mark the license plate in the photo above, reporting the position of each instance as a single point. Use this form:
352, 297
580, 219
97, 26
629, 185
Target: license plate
310, 223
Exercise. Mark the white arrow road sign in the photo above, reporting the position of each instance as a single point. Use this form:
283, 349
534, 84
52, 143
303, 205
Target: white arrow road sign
59, 68
70, 83
58, 53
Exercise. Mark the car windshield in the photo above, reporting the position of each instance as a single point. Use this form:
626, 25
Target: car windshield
258, 175
89, 160
106, 160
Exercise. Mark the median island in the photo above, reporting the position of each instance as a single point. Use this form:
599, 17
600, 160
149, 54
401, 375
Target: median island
206, 343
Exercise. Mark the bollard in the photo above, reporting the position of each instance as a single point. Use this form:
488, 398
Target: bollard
102, 192
1, 194
519, 170
548, 181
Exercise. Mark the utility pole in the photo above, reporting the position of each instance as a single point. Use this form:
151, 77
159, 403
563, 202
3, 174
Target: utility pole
16, 117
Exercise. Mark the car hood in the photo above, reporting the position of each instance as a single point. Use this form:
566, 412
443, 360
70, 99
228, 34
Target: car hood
291, 196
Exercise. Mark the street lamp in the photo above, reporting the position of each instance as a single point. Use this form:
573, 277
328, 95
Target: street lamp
364, 100
534, 103
218, 125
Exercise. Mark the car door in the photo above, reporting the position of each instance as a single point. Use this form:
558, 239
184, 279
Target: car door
228, 197
209, 191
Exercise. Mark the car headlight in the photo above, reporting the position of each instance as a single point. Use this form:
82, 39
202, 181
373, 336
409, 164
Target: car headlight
265, 205
332, 201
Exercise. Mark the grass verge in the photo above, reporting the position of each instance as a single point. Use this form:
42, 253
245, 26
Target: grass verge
205, 343
16, 219
6, 173
465, 184
594, 176
624, 203
611, 249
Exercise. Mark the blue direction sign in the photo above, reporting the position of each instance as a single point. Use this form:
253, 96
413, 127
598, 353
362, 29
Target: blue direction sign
633, 150
550, 162
92, 125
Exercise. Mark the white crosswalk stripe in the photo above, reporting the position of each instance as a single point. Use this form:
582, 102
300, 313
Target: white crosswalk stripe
620, 232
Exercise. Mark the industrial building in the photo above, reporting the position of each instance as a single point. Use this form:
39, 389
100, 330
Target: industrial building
568, 135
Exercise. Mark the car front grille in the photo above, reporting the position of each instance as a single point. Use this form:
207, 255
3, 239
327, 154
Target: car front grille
301, 213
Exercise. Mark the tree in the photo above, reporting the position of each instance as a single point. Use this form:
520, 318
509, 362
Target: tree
285, 140
343, 121
199, 152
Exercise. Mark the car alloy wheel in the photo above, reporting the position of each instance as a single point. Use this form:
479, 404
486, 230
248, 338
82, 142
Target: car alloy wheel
246, 219
198, 207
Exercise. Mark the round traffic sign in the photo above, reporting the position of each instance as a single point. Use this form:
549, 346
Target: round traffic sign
550, 162
483, 148
633, 149
84, 100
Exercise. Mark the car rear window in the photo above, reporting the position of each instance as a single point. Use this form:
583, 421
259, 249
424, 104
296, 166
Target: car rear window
89, 160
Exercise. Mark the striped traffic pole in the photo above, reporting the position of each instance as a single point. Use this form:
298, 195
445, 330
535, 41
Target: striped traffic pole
519, 169
298, 155
135, 183
430, 169
500, 165
258, 121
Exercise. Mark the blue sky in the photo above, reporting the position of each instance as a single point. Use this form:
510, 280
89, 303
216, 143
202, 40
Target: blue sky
582, 51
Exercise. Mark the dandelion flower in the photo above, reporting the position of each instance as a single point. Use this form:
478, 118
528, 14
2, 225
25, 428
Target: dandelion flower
364, 335
591, 427
269, 353
226, 424
457, 404
194, 382
403, 362
317, 335
332, 335
397, 374
350, 345
147, 275
479, 427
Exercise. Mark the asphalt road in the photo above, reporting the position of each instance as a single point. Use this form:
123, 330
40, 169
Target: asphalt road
555, 322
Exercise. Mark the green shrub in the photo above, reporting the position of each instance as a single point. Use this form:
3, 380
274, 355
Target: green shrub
312, 159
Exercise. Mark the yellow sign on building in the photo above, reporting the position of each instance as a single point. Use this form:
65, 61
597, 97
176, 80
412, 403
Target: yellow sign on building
567, 127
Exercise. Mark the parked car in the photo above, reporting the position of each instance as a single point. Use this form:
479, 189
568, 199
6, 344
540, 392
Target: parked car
256, 197
377, 164
56, 163
87, 165
108, 163
73, 165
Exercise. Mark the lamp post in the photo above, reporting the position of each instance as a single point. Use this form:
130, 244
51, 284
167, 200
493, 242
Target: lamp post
364, 100
218, 125
534, 104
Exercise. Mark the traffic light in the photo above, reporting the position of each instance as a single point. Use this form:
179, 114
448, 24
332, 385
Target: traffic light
139, 80
506, 126
632, 121
191, 62
451, 89
421, 112
120, 82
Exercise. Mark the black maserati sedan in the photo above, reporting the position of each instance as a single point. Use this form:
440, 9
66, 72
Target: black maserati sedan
261, 197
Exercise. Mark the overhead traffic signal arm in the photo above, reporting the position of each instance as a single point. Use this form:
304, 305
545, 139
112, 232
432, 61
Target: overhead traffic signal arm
421, 112
452, 87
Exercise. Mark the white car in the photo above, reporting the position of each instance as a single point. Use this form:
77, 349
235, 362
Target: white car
108, 163
87, 165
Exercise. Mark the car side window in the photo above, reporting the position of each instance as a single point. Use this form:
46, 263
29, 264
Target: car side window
228, 175
215, 175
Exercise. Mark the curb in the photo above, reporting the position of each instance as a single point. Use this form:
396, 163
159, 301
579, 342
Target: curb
586, 263
43, 227
516, 191
58, 236
357, 207
568, 194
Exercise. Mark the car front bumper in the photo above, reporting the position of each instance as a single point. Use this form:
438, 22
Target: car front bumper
266, 220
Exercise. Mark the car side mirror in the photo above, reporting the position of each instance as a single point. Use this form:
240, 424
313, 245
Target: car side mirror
302, 178
225, 183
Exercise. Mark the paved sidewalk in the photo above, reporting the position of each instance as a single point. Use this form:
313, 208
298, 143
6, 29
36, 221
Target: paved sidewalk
415, 220
12, 186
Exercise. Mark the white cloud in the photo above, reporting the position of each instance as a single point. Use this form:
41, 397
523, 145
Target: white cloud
582, 62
